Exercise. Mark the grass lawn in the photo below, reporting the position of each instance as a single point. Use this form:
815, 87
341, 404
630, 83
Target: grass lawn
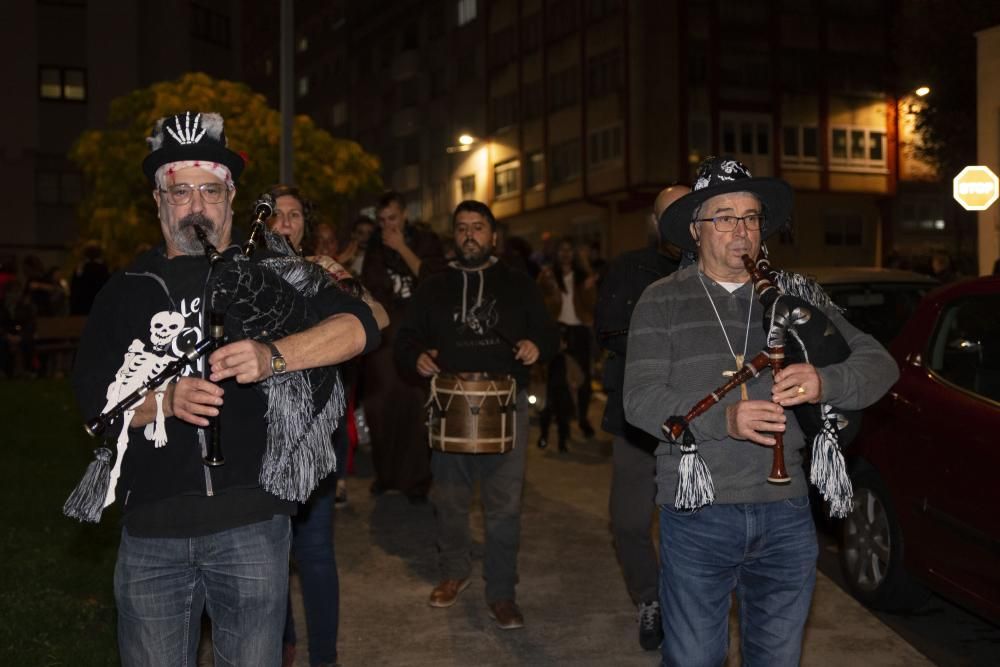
56, 600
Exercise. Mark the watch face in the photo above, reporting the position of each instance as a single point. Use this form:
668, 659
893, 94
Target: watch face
278, 364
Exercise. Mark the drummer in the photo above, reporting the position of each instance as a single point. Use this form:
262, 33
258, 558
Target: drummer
478, 316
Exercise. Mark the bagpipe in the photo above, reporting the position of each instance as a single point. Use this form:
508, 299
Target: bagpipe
262, 299
798, 331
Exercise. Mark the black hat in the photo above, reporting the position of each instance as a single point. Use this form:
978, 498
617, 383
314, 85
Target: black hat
719, 176
190, 136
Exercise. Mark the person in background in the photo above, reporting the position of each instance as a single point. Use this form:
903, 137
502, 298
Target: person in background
88, 279
398, 258
353, 254
633, 482
570, 292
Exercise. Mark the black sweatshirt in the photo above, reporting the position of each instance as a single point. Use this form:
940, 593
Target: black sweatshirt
168, 491
473, 318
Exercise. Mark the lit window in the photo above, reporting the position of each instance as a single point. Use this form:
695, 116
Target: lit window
799, 144
605, 145
506, 178
62, 83
466, 11
73, 85
303, 86
534, 176
467, 186
338, 115
303, 44
857, 147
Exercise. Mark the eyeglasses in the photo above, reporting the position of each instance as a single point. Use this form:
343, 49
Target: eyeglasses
181, 193
728, 223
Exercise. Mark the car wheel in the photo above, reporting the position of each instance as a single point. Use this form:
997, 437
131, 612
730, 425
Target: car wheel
871, 549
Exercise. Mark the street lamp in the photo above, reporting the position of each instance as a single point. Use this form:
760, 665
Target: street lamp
466, 139
465, 143
922, 91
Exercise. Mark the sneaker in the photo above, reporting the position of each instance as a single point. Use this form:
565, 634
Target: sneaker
506, 614
650, 625
340, 497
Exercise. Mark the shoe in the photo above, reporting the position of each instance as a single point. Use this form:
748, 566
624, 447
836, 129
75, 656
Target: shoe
340, 496
506, 614
650, 625
543, 443
587, 429
446, 593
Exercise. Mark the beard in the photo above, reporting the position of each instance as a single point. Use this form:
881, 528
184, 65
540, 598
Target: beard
186, 240
472, 255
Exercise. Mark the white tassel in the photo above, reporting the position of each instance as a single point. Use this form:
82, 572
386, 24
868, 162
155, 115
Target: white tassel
828, 471
694, 480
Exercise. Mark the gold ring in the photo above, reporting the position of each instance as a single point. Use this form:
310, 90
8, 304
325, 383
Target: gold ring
801, 389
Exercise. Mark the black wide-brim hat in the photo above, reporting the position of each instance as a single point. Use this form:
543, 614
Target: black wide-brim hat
190, 136
720, 176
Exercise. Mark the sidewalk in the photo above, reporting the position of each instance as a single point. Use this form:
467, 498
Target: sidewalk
571, 591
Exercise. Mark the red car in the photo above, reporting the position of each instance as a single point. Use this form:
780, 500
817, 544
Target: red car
926, 465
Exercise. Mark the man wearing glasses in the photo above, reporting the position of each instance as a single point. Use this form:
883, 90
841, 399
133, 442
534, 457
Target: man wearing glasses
196, 537
723, 527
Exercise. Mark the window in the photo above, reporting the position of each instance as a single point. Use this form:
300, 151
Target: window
565, 161
502, 47
744, 137
604, 74
503, 111
699, 145
531, 32
467, 186
303, 86
62, 83
209, 25
506, 177
302, 45
923, 216
965, 349
860, 147
604, 145
268, 66
564, 88
58, 188
531, 100
563, 17
799, 144
338, 114
411, 149
466, 11
843, 228
534, 176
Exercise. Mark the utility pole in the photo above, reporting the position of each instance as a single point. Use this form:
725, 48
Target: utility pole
287, 83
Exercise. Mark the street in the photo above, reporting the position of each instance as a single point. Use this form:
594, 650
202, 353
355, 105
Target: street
571, 592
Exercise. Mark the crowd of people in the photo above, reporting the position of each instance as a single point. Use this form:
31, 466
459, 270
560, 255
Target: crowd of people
397, 311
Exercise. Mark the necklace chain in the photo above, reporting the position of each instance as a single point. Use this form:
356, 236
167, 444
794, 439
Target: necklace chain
746, 340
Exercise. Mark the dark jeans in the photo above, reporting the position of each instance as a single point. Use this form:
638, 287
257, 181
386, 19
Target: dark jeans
501, 478
578, 346
312, 549
633, 506
239, 576
765, 552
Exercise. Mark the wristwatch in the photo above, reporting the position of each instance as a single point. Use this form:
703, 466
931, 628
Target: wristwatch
278, 363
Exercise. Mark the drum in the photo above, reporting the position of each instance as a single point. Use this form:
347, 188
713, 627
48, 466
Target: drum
472, 413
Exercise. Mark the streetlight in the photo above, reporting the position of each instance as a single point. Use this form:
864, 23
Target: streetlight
466, 139
465, 143
922, 91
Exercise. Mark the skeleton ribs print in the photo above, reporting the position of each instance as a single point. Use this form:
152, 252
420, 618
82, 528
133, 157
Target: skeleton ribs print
141, 363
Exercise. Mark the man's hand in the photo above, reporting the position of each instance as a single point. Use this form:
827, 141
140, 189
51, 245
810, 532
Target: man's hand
192, 399
527, 352
348, 253
753, 420
246, 360
393, 237
425, 363
797, 384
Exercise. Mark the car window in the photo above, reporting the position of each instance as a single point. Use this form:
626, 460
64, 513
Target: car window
965, 347
878, 309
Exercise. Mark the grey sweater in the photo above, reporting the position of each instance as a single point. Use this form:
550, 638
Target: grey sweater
677, 355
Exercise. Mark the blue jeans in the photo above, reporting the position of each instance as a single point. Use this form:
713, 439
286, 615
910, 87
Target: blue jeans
766, 552
240, 576
312, 550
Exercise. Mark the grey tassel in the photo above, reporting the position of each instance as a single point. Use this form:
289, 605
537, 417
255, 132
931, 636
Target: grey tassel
796, 284
828, 471
694, 480
87, 500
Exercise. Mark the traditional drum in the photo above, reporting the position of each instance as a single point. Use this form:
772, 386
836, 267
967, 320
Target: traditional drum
472, 413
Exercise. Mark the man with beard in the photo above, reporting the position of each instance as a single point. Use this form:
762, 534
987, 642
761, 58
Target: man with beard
197, 537
479, 316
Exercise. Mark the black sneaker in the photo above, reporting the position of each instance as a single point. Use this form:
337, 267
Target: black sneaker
650, 625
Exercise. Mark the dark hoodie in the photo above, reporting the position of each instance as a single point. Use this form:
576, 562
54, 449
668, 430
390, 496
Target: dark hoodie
473, 318
168, 491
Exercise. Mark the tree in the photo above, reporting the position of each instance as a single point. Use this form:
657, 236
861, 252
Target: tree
936, 47
118, 207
